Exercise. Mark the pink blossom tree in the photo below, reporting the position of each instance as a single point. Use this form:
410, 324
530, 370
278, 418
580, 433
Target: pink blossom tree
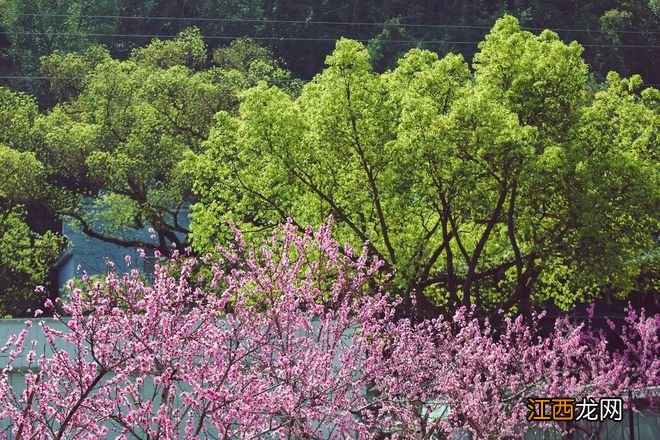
296, 340
462, 375
262, 351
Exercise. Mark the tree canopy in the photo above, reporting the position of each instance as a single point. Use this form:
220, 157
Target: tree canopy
26, 255
124, 127
108, 154
618, 35
511, 181
502, 185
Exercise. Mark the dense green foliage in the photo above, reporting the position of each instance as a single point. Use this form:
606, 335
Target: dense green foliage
500, 186
124, 127
108, 155
28, 250
516, 180
26, 256
620, 33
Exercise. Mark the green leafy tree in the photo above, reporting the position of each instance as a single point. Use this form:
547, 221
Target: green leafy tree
26, 256
187, 49
244, 63
502, 186
67, 70
35, 28
630, 23
18, 112
30, 243
116, 144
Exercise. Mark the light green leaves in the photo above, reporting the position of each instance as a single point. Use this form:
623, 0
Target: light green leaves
17, 115
126, 127
539, 77
21, 177
500, 187
187, 49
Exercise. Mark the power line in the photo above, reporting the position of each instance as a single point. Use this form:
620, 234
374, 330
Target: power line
340, 23
224, 37
71, 78
260, 21
227, 37
274, 80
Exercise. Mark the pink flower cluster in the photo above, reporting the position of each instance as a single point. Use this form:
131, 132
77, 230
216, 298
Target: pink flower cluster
442, 376
296, 340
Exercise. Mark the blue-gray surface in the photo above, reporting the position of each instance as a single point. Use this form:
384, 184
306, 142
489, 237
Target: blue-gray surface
91, 254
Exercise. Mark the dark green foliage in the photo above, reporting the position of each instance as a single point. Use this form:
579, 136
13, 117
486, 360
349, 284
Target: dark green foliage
303, 33
26, 256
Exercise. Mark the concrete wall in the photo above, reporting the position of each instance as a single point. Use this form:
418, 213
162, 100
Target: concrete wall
90, 254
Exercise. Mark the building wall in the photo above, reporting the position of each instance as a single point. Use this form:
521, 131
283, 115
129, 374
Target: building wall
90, 254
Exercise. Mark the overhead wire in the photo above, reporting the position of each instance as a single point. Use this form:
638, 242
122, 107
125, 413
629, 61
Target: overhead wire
274, 80
317, 22
263, 38
71, 78
294, 38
